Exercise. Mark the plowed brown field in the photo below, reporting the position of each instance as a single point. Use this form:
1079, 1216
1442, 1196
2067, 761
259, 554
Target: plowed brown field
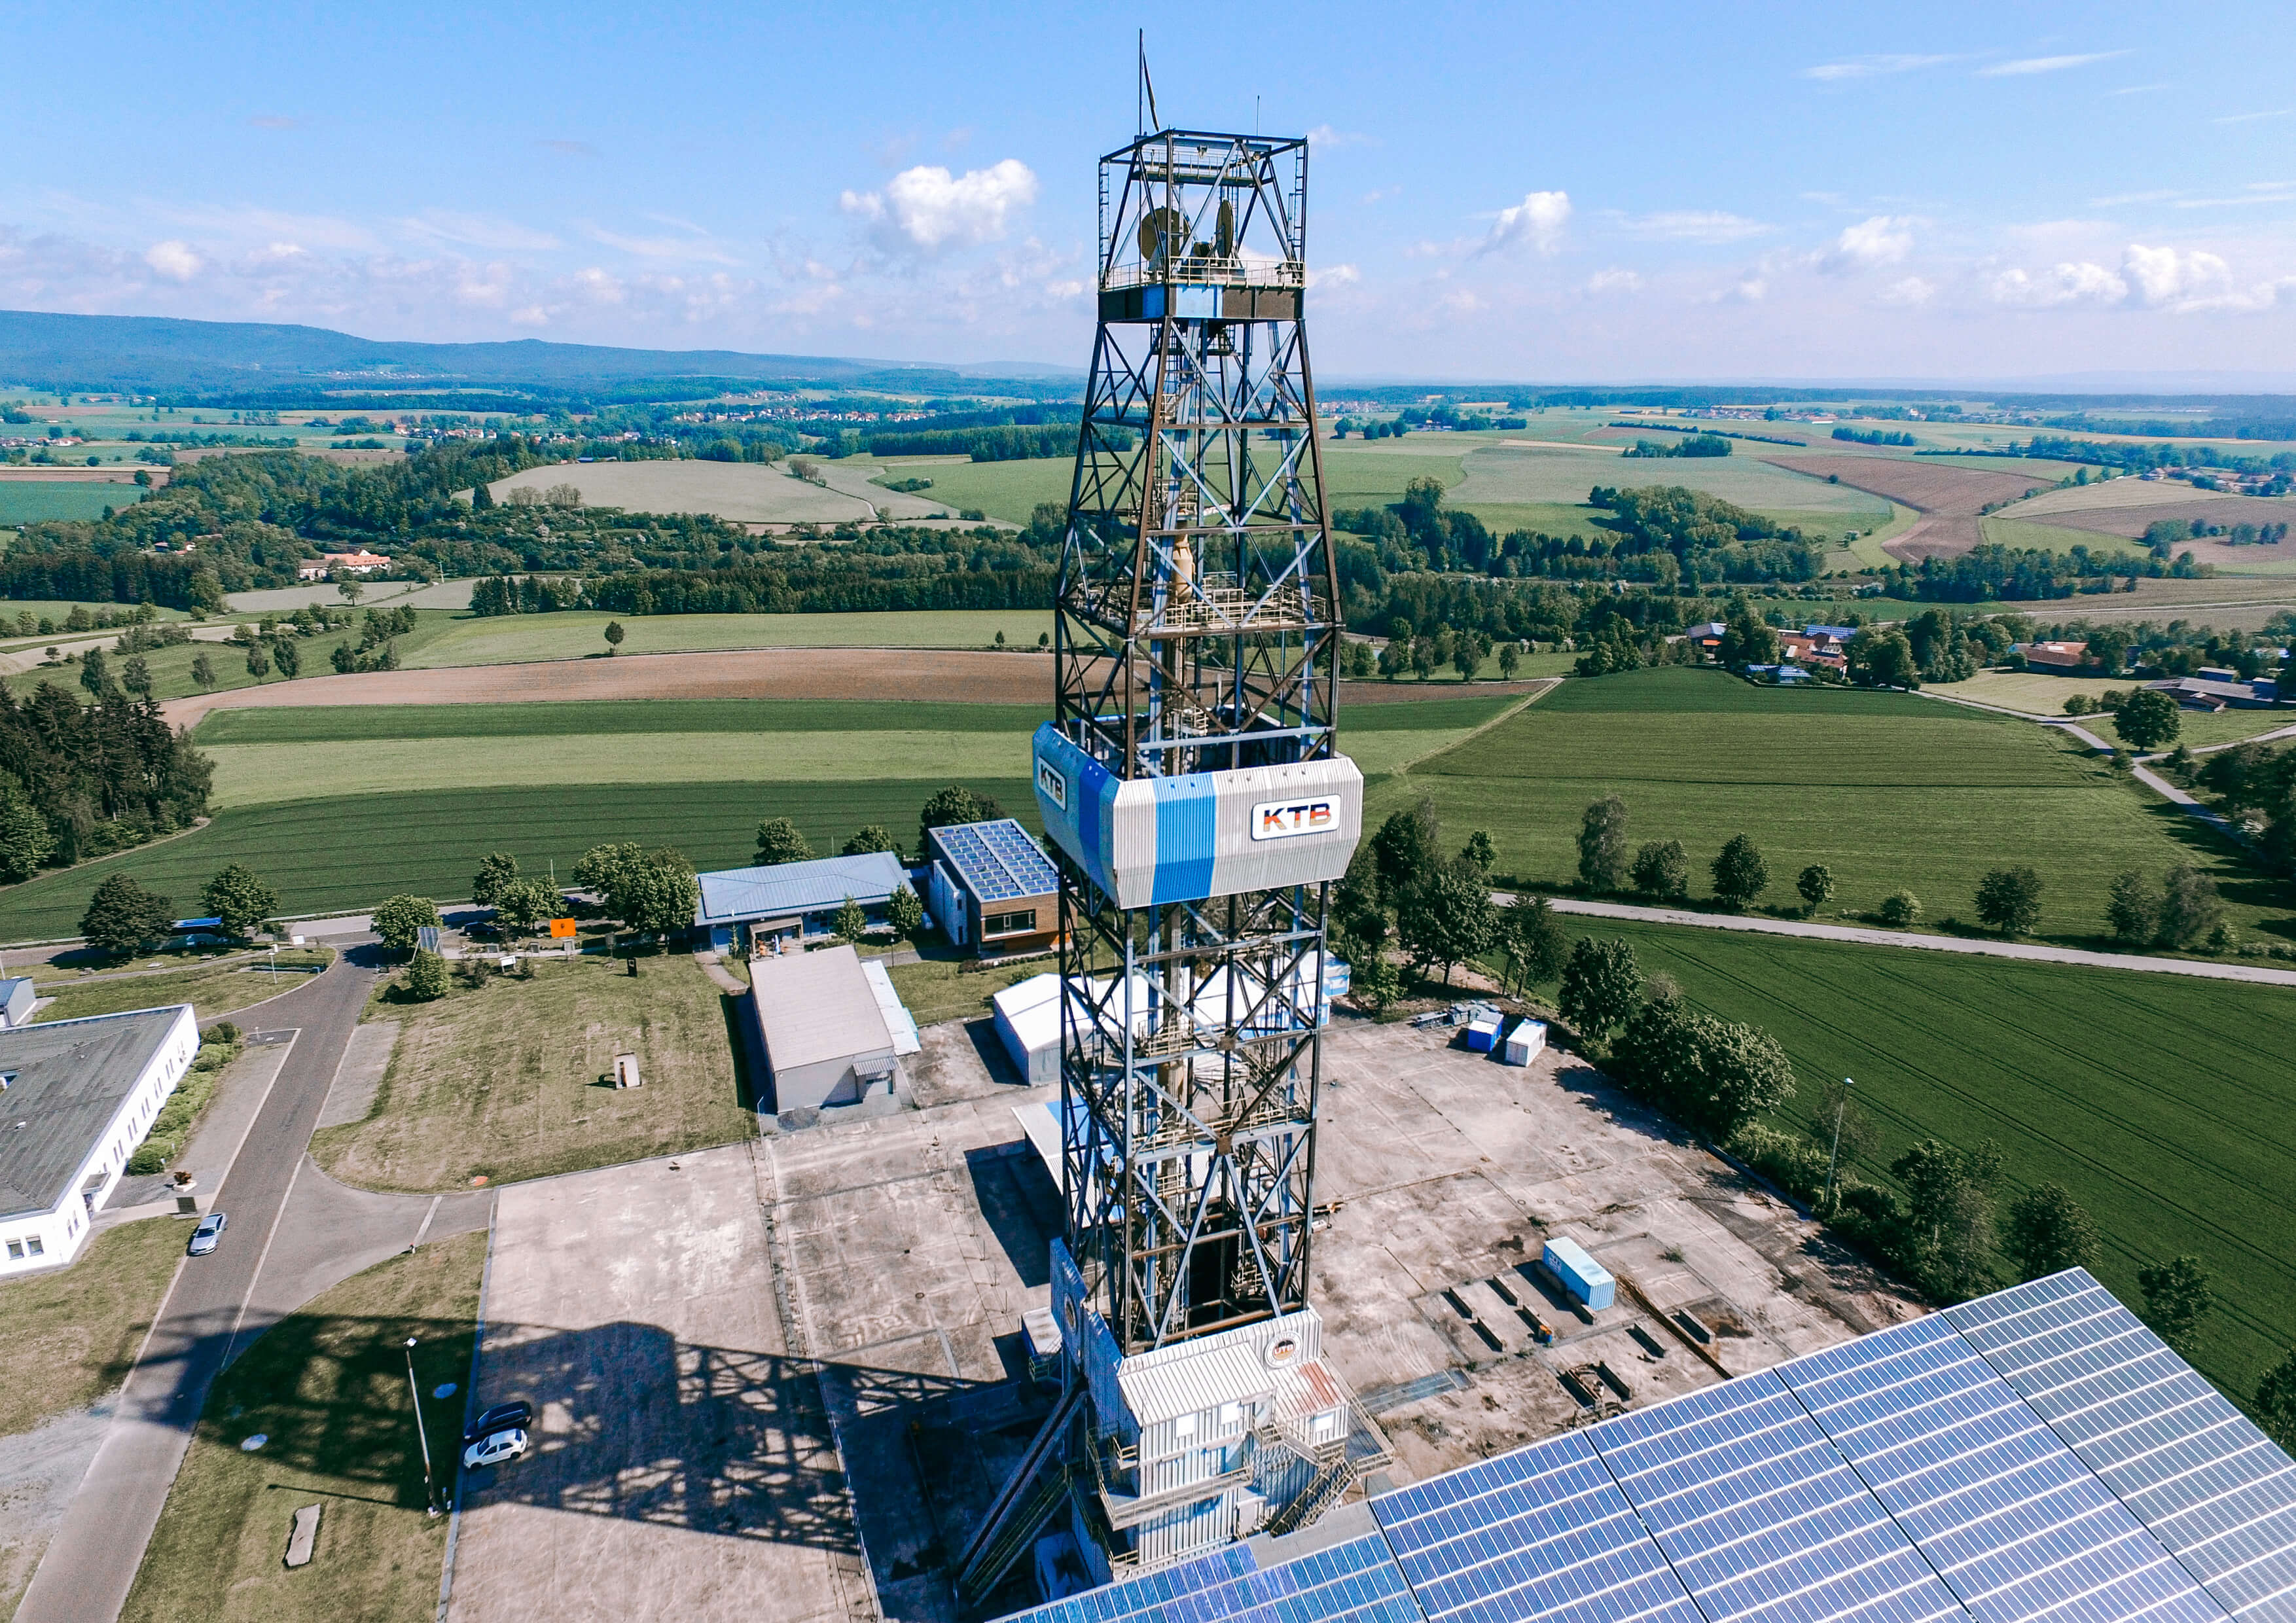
896, 674
2130, 519
1948, 498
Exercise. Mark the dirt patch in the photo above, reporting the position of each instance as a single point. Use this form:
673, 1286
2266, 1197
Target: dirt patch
1949, 499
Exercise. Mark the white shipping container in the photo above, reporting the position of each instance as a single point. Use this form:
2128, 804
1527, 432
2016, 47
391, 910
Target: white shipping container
1525, 1043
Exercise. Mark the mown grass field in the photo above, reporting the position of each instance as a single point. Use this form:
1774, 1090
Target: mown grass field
1006, 490
267, 756
503, 1080
2166, 1104
1888, 790
73, 1334
518, 638
327, 1389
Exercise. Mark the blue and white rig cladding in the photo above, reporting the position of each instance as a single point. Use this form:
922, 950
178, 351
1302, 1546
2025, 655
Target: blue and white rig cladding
1147, 842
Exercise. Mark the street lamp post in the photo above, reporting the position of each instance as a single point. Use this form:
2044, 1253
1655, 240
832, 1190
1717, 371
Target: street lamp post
1840, 1107
430, 1492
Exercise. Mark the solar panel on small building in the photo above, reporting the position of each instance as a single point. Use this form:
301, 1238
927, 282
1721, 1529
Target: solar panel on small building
998, 862
2033, 1457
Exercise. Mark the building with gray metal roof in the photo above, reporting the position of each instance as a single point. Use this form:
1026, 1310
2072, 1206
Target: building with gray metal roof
754, 908
76, 1098
2033, 1457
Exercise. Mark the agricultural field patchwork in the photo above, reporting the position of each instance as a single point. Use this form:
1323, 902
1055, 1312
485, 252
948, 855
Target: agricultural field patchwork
40, 501
2166, 1104
1888, 790
1009, 491
338, 808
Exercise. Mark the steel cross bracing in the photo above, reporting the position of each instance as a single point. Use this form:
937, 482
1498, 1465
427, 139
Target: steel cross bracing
1196, 630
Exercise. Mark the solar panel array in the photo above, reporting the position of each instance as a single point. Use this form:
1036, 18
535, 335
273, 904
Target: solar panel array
2214, 1489
998, 861
2034, 1456
1156, 1595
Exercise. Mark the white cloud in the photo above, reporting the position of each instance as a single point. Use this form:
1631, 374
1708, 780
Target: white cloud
691, 249
1334, 275
1538, 220
1884, 240
1614, 281
2070, 281
1872, 67
1325, 135
1696, 225
927, 208
173, 259
1911, 291
2047, 65
2197, 280
2251, 117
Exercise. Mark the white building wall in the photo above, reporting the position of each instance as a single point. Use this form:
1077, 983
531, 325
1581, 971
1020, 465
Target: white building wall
61, 1231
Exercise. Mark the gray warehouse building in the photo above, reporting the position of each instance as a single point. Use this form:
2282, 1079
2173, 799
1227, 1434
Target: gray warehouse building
831, 1027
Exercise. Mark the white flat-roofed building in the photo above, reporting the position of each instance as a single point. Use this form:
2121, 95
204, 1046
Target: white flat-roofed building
825, 1037
79, 1096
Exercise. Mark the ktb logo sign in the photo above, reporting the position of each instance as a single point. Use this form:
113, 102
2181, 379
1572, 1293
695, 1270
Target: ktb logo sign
1052, 784
1288, 819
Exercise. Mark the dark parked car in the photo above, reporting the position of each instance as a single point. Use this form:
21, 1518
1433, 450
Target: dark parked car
502, 1417
210, 1231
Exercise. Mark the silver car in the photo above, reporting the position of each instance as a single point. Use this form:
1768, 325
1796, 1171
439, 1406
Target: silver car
493, 1449
206, 1235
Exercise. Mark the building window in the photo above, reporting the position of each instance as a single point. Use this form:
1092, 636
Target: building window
33, 1247
1007, 923
15, 1250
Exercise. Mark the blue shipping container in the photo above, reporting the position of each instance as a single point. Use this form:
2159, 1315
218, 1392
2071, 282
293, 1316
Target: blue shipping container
1581, 1276
1483, 1036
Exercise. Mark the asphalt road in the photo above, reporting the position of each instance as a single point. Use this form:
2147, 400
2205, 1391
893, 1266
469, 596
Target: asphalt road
91, 1563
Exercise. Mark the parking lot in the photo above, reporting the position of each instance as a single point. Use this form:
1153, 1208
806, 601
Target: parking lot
784, 1372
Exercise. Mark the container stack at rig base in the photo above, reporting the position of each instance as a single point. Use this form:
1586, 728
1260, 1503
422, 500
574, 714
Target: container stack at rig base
1193, 788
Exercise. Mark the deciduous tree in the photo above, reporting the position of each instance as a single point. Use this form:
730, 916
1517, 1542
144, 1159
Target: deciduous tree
614, 635
400, 920
238, 896
2045, 1232
1602, 845
1602, 983
2177, 1301
1663, 870
122, 915
1445, 918
25, 840
1901, 910
851, 922
1815, 886
2132, 911
1740, 873
2148, 718
2009, 900
496, 870
1537, 947
780, 840
2190, 908
2275, 1402
870, 837
904, 912
426, 977
954, 806
1949, 1221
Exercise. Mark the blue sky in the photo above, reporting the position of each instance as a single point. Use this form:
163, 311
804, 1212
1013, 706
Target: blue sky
1595, 193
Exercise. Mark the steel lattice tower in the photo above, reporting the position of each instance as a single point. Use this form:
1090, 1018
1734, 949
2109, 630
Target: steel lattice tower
1196, 631
1193, 788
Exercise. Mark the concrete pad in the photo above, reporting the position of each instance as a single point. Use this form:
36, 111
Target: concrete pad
364, 1060
684, 1466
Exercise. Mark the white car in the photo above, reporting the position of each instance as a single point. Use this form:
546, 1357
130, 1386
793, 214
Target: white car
208, 1234
494, 1450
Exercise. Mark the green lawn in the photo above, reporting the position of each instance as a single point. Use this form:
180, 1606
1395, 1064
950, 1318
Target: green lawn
2166, 1104
327, 1390
171, 668
1888, 791
73, 1334
503, 1081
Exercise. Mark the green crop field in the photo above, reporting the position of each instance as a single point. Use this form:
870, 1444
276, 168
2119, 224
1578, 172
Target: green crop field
1006, 490
2166, 1104
338, 808
27, 501
1888, 791
171, 668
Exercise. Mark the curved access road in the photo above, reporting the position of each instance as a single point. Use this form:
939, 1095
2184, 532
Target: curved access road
2030, 951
